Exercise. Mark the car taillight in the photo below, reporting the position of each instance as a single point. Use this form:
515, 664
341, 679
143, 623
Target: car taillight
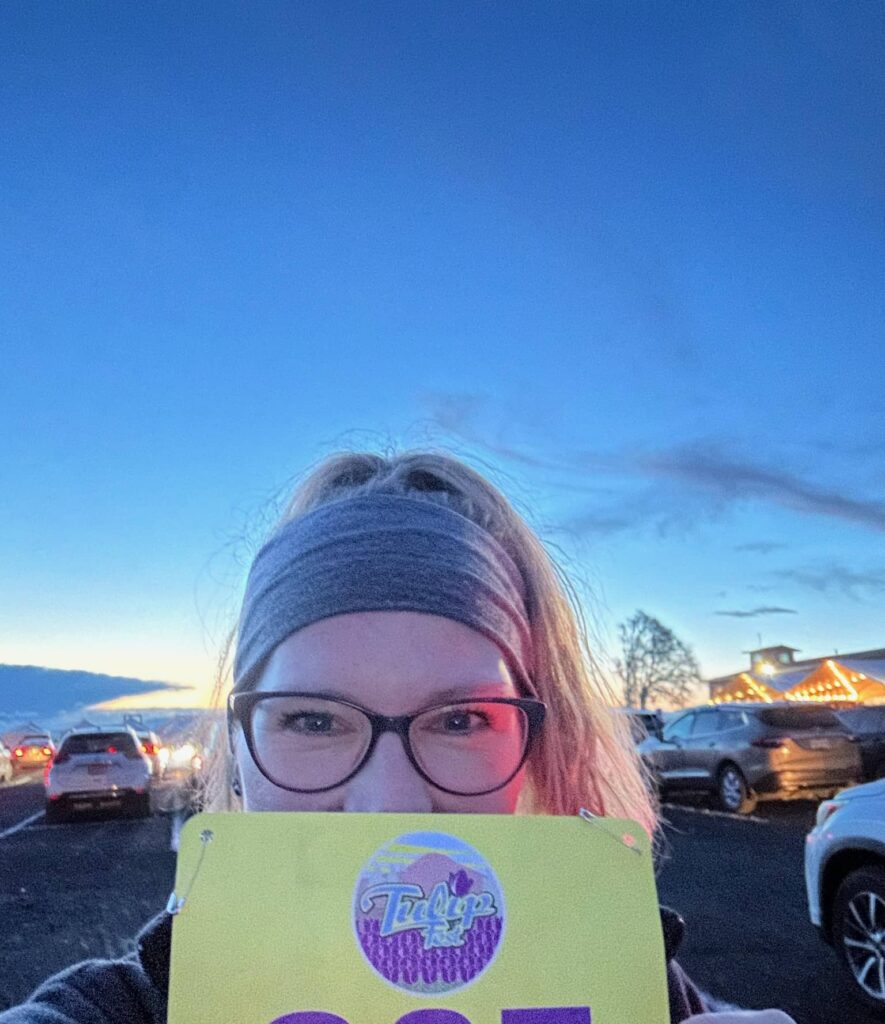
769, 742
19, 752
149, 748
47, 751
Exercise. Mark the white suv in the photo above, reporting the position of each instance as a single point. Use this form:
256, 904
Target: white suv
845, 880
98, 769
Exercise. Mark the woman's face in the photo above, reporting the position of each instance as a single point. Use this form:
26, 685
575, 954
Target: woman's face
392, 663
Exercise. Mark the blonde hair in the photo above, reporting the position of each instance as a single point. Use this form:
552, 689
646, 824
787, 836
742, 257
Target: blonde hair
584, 757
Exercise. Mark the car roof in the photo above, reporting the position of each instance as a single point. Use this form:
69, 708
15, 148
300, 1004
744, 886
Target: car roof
101, 730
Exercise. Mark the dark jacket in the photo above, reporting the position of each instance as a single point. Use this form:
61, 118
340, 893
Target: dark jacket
134, 990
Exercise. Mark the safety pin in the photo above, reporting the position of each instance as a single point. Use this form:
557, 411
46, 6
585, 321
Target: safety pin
176, 903
627, 840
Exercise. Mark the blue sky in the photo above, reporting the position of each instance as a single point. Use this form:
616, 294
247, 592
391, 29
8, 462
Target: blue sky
631, 256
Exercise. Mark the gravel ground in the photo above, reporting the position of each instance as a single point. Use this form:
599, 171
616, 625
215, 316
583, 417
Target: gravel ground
84, 889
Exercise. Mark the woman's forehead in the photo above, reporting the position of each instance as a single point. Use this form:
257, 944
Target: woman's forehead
387, 653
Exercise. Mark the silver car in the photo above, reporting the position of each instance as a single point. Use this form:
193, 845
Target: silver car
743, 753
98, 769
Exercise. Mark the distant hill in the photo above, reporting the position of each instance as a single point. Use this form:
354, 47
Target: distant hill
28, 692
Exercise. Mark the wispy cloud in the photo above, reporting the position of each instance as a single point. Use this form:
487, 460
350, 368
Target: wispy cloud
708, 467
598, 523
684, 484
838, 579
761, 547
457, 414
752, 613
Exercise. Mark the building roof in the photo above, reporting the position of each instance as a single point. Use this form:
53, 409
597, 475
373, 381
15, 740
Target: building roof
775, 647
803, 667
873, 667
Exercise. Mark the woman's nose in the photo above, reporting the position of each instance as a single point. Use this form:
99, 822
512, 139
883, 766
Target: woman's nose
388, 782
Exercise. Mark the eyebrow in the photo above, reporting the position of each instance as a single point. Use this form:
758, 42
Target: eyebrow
449, 693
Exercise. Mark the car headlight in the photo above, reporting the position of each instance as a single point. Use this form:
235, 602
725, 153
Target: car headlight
184, 753
826, 810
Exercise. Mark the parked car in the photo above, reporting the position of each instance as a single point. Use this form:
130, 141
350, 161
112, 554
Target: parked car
867, 723
154, 751
845, 883
33, 753
743, 753
6, 769
98, 769
643, 723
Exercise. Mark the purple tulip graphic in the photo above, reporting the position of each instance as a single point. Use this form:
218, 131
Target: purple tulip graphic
460, 883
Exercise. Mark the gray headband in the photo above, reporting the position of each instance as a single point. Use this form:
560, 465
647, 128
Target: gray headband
382, 552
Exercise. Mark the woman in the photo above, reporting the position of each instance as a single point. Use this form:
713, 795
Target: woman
400, 606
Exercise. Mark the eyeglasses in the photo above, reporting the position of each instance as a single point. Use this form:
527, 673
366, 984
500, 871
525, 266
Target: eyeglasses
310, 744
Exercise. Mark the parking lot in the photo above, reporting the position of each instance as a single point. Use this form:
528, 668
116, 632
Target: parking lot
83, 889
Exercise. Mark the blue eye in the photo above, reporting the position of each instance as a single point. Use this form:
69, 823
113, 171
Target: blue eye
308, 722
459, 722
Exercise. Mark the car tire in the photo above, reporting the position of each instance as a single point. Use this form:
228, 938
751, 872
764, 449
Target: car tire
141, 805
732, 791
853, 898
54, 815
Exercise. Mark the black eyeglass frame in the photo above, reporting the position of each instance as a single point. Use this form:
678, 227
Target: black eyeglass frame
240, 707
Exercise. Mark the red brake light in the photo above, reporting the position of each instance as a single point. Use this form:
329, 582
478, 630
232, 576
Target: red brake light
111, 750
19, 752
47, 751
149, 748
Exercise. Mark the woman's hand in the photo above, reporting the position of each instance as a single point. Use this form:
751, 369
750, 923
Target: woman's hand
742, 1017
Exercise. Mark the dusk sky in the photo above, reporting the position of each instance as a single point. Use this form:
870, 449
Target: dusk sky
629, 257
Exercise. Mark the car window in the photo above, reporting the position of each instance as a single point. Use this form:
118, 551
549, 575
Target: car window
705, 722
99, 743
731, 720
799, 718
864, 720
680, 728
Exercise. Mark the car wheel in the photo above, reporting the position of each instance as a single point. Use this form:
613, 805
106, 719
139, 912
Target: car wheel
733, 792
859, 931
54, 815
141, 805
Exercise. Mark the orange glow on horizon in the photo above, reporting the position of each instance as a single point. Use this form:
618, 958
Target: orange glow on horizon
192, 697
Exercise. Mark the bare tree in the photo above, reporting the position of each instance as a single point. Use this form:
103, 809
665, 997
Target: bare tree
655, 664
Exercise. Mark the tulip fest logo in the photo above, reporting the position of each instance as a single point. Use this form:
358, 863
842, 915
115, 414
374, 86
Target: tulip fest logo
428, 913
